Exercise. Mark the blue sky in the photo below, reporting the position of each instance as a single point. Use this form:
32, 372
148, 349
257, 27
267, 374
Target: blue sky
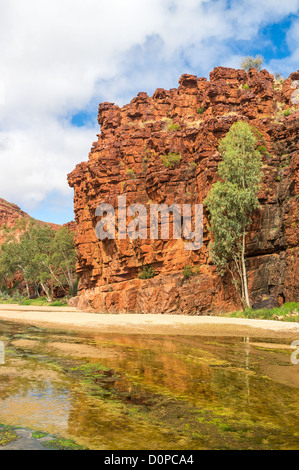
60, 59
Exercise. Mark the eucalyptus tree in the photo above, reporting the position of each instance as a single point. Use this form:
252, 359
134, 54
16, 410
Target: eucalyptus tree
231, 203
42, 256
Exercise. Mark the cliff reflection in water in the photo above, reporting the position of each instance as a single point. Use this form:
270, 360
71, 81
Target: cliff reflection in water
112, 391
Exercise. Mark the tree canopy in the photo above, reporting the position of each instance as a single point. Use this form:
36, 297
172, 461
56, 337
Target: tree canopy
43, 257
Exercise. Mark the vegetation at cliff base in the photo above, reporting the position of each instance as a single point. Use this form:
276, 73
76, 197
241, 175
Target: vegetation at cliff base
35, 259
287, 312
231, 202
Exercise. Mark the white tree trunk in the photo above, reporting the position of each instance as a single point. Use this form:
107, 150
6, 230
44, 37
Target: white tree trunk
244, 274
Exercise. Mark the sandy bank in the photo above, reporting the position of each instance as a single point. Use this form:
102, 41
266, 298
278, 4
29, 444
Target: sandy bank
68, 318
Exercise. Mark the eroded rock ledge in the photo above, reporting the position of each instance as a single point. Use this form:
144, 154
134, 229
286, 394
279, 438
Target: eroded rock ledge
127, 160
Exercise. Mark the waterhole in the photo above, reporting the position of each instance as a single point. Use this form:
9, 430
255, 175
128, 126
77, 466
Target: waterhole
150, 392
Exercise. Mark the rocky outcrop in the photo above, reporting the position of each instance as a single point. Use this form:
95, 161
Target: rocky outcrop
129, 158
9, 213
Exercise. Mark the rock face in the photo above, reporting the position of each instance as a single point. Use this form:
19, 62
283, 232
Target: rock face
132, 158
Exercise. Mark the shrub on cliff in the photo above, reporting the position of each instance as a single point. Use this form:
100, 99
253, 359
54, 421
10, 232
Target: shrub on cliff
171, 159
187, 271
131, 174
147, 272
173, 127
252, 62
231, 202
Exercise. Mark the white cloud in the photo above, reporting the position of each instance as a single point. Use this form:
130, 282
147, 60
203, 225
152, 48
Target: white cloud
59, 57
291, 63
35, 164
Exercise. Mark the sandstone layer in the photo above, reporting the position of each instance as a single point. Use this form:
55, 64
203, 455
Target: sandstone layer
129, 159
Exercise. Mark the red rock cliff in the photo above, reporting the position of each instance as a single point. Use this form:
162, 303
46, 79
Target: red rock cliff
127, 160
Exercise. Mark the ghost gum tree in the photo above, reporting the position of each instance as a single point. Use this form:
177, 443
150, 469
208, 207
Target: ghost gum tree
231, 203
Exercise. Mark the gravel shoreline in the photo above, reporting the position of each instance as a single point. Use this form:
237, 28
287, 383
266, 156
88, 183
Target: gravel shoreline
68, 318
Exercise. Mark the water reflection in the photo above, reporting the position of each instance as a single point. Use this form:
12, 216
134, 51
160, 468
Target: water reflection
111, 391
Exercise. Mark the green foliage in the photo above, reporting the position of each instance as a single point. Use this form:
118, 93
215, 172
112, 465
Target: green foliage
63, 259
171, 159
232, 200
262, 149
147, 272
7, 435
245, 86
287, 312
39, 301
252, 62
287, 111
173, 127
63, 444
44, 257
131, 174
187, 271
200, 110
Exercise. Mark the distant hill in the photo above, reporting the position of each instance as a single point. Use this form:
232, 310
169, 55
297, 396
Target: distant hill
10, 213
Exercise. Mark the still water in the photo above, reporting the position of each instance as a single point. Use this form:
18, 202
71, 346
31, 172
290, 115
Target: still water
152, 392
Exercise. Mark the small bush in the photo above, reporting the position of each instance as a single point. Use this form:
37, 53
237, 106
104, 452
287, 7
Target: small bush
200, 110
246, 86
173, 127
192, 166
187, 271
287, 112
171, 159
147, 272
252, 62
131, 174
287, 312
261, 149
4, 296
